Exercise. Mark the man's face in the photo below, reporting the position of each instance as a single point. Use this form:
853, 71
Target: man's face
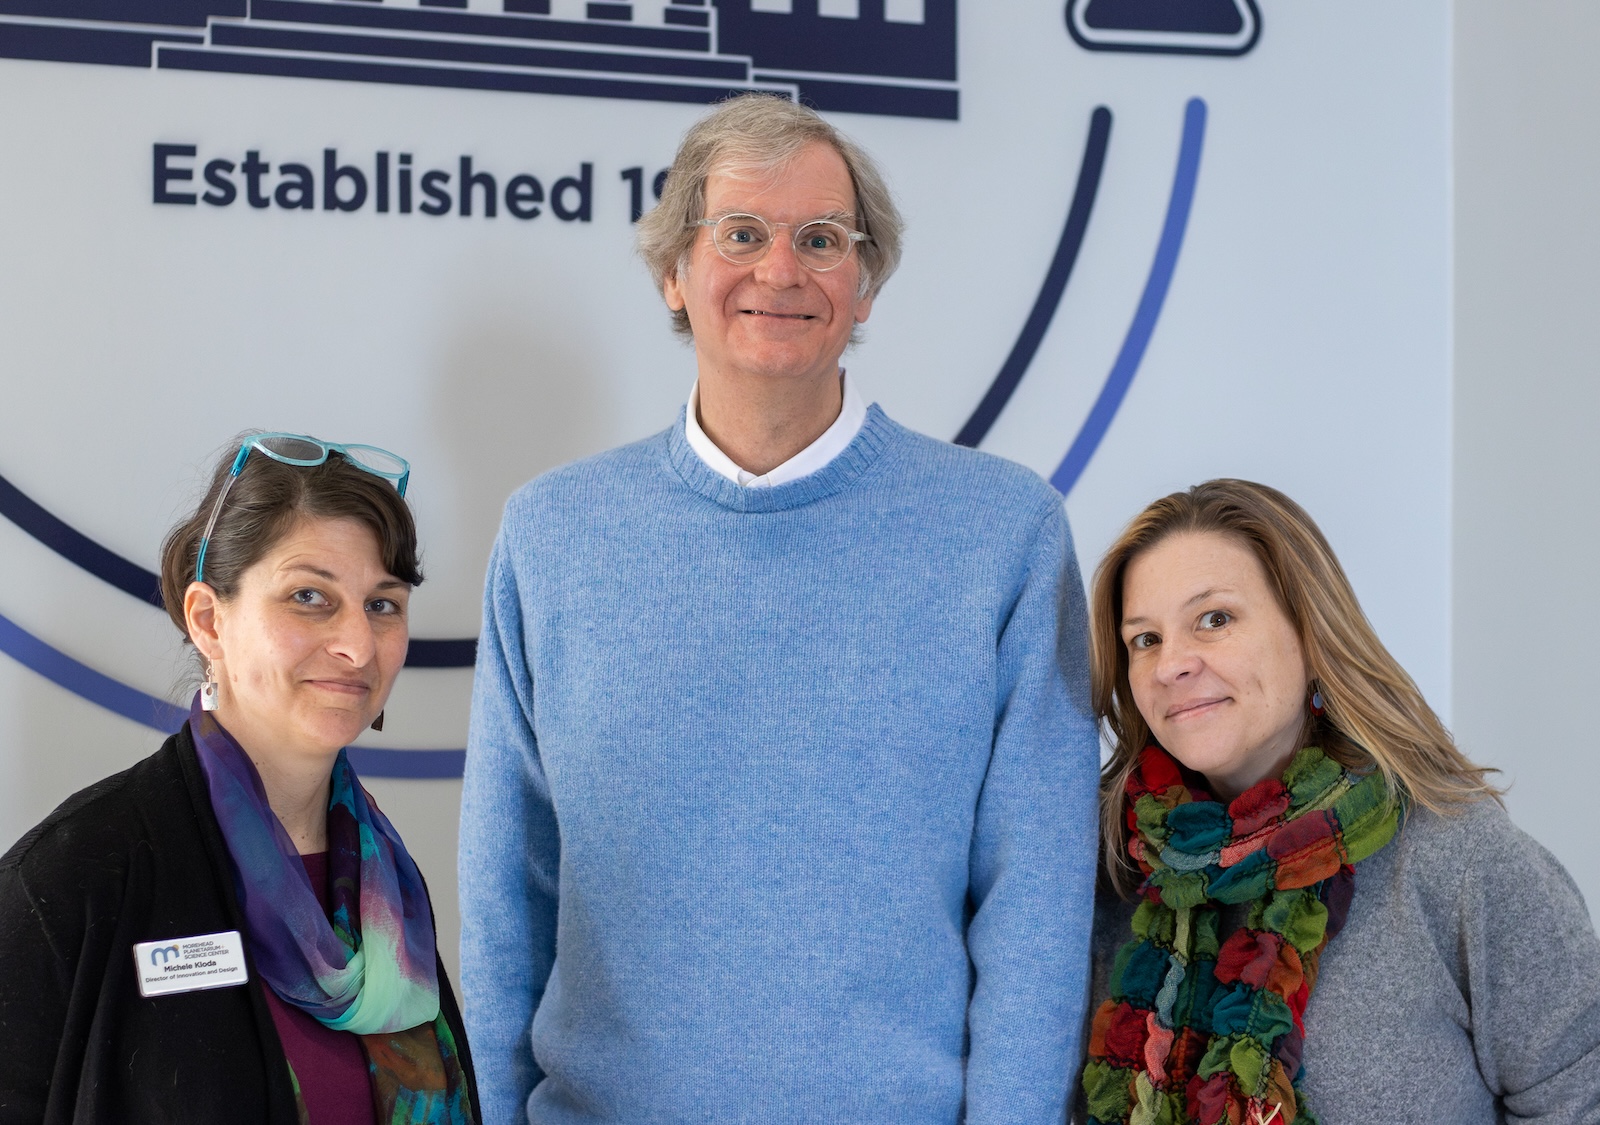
775, 318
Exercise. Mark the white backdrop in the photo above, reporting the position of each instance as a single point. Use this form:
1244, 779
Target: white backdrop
1304, 340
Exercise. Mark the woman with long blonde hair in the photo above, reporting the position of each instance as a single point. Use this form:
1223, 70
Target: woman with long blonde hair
1331, 917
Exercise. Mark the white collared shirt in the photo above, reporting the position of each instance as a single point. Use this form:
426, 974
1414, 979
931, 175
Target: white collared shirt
852, 416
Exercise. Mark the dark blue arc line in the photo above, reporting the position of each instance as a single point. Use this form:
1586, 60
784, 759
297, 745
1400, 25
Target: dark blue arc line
131, 578
165, 717
1149, 310
72, 544
442, 654
1055, 283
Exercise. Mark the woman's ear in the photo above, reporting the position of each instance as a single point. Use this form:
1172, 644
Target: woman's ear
200, 616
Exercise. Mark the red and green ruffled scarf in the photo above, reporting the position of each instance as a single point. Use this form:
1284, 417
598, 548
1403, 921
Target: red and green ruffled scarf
1209, 1032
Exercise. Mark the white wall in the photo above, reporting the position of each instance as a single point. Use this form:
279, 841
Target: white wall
1527, 402
1305, 340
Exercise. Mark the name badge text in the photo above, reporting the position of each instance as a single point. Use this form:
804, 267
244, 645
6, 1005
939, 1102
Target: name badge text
188, 964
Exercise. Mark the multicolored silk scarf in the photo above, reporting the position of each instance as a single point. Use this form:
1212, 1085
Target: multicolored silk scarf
371, 968
1207, 1032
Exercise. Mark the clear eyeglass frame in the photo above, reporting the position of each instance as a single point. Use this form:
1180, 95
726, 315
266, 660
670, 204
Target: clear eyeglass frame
304, 451
819, 244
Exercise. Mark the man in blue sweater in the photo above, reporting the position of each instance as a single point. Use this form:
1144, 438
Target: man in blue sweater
780, 790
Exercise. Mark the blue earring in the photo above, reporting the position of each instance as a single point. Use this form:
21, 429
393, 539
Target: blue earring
1316, 702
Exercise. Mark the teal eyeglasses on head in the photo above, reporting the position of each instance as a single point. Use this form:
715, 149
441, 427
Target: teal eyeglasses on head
304, 451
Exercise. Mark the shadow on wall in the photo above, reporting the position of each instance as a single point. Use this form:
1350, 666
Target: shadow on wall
513, 394
516, 393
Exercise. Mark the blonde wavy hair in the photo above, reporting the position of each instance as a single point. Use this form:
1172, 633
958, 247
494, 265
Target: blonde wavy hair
1374, 718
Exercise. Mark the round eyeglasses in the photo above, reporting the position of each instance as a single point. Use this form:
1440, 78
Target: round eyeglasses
820, 245
304, 451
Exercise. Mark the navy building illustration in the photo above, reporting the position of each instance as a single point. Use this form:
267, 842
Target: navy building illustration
895, 57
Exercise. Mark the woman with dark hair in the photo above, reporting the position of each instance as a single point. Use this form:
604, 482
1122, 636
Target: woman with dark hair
1335, 918
231, 930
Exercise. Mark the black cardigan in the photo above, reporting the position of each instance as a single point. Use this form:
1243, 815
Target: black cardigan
136, 857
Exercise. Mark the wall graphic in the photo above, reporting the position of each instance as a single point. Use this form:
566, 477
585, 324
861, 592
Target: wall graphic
1147, 244
134, 580
878, 56
1177, 27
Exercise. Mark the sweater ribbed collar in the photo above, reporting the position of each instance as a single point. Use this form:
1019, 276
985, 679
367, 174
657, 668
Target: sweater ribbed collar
875, 437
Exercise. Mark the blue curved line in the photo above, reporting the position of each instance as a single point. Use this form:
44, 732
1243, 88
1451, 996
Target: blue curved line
372, 761
161, 715
72, 544
82, 680
1055, 283
131, 578
1149, 311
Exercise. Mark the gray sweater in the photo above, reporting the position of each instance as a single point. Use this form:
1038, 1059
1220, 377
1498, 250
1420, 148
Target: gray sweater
1463, 989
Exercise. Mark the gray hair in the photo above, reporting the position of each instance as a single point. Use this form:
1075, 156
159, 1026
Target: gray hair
759, 134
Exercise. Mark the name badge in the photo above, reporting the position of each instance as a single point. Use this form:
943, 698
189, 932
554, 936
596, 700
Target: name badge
188, 964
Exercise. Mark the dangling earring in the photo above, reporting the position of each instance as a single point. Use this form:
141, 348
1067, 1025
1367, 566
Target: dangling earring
1317, 707
208, 691
377, 724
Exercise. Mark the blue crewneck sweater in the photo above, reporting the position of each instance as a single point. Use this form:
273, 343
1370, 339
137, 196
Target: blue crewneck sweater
780, 803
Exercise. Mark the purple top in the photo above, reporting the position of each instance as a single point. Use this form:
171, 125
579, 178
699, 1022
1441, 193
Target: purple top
330, 1065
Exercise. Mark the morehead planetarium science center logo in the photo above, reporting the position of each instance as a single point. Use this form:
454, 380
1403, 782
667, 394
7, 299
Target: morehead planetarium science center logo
896, 58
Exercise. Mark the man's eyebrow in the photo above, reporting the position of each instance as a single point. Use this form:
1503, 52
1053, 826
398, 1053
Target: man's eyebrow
835, 216
843, 218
